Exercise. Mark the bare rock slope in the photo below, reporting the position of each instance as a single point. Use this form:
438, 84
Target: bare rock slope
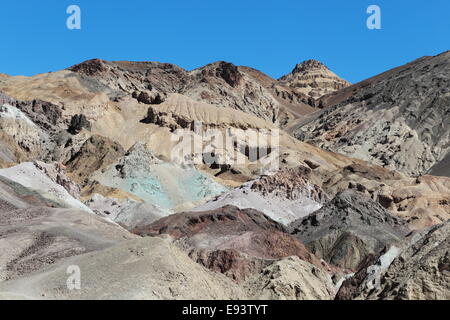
37, 232
284, 196
147, 268
416, 269
51, 185
113, 129
421, 271
290, 279
349, 228
422, 201
238, 243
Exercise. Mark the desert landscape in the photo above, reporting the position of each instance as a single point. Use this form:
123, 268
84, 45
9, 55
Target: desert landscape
350, 202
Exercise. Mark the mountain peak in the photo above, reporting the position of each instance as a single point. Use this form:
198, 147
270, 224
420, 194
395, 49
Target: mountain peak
313, 78
309, 65
89, 67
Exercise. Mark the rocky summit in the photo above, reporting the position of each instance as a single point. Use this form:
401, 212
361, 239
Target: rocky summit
313, 78
165, 183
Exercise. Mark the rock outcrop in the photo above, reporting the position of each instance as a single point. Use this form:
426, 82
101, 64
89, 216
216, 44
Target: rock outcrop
57, 173
284, 196
236, 242
95, 153
348, 229
420, 272
416, 269
78, 122
291, 279
22, 139
27, 129
180, 112
422, 201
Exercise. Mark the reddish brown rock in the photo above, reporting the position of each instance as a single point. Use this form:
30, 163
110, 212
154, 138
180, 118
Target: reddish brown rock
230, 240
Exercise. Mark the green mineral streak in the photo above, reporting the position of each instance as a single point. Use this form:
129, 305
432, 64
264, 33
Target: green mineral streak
169, 186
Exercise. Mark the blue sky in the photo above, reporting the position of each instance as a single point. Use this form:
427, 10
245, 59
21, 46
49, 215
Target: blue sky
271, 36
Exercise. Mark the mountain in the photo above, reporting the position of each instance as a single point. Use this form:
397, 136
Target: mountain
226, 85
399, 119
313, 79
90, 118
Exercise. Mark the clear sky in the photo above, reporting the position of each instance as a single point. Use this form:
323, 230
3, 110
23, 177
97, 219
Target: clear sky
271, 36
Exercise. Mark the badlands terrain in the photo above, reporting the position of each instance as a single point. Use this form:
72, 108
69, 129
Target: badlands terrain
350, 201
